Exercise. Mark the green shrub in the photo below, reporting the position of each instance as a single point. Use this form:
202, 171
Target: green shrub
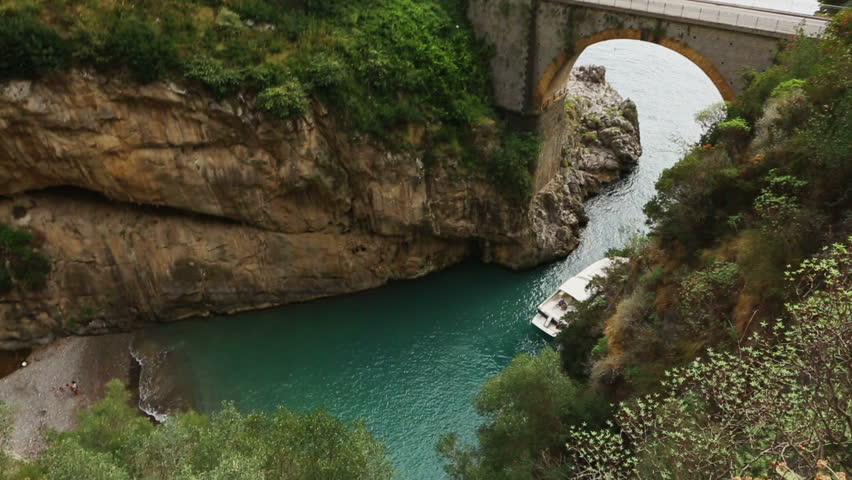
448, 80
706, 295
132, 42
28, 48
265, 75
712, 115
229, 22
601, 348
734, 131
19, 264
788, 86
778, 204
510, 167
285, 101
695, 196
590, 138
222, 81
322, 70
258, 10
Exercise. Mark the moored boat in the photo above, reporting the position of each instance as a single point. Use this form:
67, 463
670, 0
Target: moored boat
549, 313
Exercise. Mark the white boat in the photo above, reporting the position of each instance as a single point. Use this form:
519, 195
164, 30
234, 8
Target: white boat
548, 317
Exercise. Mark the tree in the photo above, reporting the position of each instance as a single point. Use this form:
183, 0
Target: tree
528, 406
710, 116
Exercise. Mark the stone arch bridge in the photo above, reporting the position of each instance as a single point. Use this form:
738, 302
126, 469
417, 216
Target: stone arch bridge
538, 41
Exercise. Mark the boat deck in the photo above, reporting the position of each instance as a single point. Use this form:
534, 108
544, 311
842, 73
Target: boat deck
548, 326
551, 307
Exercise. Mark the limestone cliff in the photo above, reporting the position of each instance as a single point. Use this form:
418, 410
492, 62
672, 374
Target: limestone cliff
157, 202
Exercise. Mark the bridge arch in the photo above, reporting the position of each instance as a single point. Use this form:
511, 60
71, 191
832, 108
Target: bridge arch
536, 41
553, 81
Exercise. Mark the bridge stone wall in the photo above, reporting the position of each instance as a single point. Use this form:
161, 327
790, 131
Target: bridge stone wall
508, 26
538, 41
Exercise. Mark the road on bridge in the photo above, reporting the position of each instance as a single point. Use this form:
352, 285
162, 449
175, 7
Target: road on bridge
736, 17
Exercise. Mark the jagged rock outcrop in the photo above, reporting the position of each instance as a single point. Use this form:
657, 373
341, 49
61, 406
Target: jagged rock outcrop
182, 205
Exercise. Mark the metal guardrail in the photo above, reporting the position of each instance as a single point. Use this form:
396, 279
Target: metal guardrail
721, 14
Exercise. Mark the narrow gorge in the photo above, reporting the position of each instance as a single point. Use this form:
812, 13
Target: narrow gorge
158, 202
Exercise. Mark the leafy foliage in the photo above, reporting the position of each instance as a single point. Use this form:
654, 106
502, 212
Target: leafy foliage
779, 405
712, 115
114, 443
693, 196
735, 130
28, 48
222, 81
20, 265
527, 406
284, 101
788, 86
382, 57
511, 166
706, 294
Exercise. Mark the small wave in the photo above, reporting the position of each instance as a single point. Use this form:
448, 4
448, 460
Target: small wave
144, 392
162, 391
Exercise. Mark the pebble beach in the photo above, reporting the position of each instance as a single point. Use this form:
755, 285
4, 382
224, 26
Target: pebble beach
37, 393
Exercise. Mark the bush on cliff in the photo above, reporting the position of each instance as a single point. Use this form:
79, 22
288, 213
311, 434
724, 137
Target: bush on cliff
511, 167
28, 48
284, 101
132, 42
20, 265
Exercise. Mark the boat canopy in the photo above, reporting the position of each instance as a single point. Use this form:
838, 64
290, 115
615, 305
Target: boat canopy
576, 285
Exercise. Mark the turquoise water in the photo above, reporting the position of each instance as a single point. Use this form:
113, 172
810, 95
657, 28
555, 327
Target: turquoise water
409, 357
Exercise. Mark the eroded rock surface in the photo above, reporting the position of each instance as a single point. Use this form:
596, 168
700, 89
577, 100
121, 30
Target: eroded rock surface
181, 205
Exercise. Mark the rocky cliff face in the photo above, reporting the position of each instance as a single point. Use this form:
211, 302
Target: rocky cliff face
156, 202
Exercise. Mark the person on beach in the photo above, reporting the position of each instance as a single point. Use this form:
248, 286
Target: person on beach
74, 387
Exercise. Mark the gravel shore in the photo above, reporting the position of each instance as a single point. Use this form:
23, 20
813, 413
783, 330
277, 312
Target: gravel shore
33, 392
